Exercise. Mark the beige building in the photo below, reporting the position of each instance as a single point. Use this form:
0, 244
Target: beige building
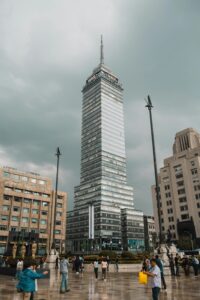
27, 203
179, 181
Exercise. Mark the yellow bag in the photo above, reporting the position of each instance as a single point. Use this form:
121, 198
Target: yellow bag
142, 278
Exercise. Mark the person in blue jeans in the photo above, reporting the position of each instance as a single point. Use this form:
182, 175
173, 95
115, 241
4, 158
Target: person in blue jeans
27, 278
64, 265
155, 276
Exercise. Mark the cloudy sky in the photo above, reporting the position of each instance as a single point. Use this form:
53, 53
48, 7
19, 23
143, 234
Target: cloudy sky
47, 50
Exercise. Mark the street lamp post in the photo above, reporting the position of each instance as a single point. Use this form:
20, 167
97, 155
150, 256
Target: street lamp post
150, 106
58, 153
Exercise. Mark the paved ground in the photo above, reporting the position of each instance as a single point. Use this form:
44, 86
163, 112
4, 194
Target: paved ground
119, 286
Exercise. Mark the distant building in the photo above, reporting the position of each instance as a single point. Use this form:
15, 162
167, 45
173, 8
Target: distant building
179, 181
149, 233
103, 194
27, 212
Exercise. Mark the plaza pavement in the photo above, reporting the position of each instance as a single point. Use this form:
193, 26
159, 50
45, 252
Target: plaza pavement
119, 286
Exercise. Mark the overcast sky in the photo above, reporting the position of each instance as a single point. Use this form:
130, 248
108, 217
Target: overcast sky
47, 50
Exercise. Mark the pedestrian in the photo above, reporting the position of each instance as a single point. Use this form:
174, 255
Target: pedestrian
36, 284
160, 265
81, 264
104, 267
27, 279
195, 264
77, 264
186, 265
176, 261
108, 263
64, 265
155, 276
96, 268
117, 264
19, 268
171, 264
56, 266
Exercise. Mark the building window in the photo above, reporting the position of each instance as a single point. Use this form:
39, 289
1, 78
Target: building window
42, 182
58, 222
57, 231
182, 199
36, 202
24, 178
43, 231
198, 205
18, 191
194, 171
27, 192
178, 176
15, 177
4, 218
59, 214
16, 208
6, 174
25, 220
27, 200
3, 227
33, 180
168, 195
167, 187
197, 196
34, 221
44, 213
185, 216
197, 187
43, 222
170, 211
184, 207
5, 208
34, 211
15, 219
13, 228
6, 197
45, 203
171, 219
192, 163
26, 210
180, 183
8, 189
45, 195
181, 191
59, 205
17, 199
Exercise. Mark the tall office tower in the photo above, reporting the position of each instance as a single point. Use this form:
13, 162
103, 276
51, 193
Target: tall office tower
103, 191
179, 181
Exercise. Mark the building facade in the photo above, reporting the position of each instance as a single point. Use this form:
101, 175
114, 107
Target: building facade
179, 181
96, 223
150, 237
27, 205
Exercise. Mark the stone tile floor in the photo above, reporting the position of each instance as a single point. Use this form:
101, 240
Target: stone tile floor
119, 286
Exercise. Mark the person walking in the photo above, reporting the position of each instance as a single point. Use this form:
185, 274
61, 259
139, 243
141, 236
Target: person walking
64, 265
155, 276
195, 264
160, 265
56, 266
19, 268
27, 280
176, 261
96, 268
77, 264
171, 264
186, 265
104, 266
117, 264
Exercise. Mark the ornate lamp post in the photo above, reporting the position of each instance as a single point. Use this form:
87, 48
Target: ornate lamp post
150, 106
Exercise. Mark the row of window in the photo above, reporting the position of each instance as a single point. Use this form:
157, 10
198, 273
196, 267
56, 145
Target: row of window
30, 192
17, 177
23, 219
14, 229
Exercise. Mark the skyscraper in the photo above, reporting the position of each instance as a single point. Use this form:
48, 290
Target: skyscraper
103, 191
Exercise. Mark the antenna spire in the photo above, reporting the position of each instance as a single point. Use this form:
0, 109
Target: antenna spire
101, 52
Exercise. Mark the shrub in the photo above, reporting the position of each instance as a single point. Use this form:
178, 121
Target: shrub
112, 255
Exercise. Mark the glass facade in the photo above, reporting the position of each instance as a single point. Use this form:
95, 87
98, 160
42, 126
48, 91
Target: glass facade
103, 180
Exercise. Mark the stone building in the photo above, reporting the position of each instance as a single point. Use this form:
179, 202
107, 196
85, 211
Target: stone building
27, 203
